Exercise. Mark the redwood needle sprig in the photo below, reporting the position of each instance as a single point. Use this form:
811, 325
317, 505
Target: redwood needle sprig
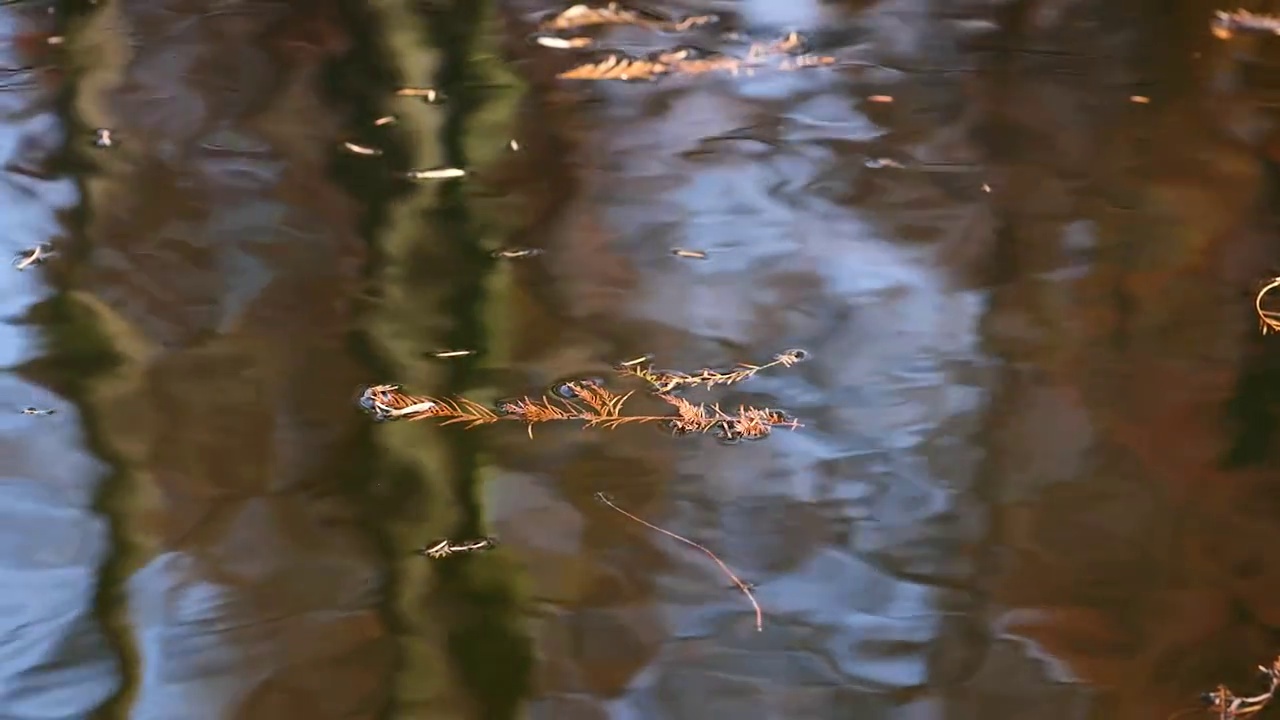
666, 381
582, 16
743, 586
1226, 705
588, 401
620, 66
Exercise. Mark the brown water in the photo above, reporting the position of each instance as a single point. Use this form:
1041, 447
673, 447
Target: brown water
1037, 473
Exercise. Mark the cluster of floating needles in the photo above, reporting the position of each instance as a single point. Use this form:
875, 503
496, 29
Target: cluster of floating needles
589, 402
784, 54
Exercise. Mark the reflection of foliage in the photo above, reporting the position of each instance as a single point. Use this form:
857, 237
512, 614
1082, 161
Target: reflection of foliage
428, 279
588, 401
88, 358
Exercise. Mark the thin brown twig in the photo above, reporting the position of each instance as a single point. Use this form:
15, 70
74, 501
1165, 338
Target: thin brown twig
744, 587
1270, 319
445, 547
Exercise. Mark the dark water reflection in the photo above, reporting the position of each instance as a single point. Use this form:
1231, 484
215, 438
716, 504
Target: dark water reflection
1037, 473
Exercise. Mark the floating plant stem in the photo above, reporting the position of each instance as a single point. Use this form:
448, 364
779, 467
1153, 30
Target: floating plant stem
357, 149
1270, 319
743, 586
560, 43
430, 95
33, 256
435, 173
445, 547
515, 253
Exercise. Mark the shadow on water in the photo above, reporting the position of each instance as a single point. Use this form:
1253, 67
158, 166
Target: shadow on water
1036, 476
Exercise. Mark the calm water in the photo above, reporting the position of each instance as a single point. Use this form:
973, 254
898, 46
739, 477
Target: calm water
1037, 477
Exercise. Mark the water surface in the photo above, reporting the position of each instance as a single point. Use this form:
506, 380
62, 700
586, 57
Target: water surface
1035, 477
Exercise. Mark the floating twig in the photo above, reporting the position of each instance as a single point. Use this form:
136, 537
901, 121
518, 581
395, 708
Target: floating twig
355, 149
877, 163
34, 256
515, 253
559, 43
431, 95
1225, 25
1269, 319
647, 357
445, 547
743, 586
435, 174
